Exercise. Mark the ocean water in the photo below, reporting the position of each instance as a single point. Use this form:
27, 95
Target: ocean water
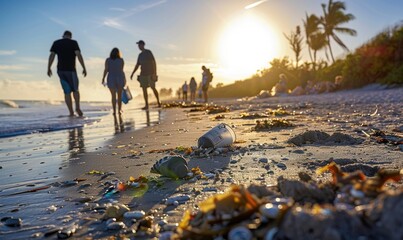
38, 144
37, 138
27, 117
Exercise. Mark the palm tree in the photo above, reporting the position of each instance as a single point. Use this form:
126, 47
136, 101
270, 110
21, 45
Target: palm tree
311, 25
318, 41
331, 21
295, 41
315, 39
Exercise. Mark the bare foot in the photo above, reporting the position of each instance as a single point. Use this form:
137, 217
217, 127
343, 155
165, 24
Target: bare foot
79, 112
145, 108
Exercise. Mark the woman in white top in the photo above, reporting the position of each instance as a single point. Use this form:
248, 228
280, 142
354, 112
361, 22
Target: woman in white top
116, 80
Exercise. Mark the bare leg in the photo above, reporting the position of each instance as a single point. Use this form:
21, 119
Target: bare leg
145, 95
156, 96
69, 103
76, 96
119, 92
113, 99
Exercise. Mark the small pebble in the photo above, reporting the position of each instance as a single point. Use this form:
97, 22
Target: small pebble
134, 215
263, 160
13, 222
116, 226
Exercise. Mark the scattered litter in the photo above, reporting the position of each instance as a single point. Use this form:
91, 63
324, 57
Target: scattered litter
174, 166
301, 209
221, 135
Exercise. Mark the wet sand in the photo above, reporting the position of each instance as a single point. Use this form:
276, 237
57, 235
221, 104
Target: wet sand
261, 157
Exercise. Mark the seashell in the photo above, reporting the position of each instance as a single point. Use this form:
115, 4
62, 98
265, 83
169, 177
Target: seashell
51, 208
115, 211
134, 215
67, 232
240, 233
116, 226
270, 210
178, 199
13, 222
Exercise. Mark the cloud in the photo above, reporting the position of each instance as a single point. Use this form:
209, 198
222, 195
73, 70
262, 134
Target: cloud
58, 21
118, 9
12, 67
95, 62
29, 90
113, 23
7, 52
252, 5
172, 47
147, 6
117, 21
34, 60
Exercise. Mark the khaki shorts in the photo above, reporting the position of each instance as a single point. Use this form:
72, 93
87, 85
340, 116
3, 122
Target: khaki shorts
147, 81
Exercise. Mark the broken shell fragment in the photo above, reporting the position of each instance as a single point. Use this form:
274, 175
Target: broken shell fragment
134, 215
67, 232
270, 210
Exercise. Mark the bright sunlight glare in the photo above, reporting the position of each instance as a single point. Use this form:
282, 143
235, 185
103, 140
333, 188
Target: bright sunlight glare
246, 45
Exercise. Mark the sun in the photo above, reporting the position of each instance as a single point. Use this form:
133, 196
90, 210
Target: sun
246, 45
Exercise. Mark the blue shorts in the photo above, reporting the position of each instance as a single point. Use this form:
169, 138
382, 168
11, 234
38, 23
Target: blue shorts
69, 81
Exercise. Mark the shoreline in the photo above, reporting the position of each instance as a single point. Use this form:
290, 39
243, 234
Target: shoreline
261, 156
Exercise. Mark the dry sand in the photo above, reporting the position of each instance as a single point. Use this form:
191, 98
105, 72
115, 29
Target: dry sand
261, 156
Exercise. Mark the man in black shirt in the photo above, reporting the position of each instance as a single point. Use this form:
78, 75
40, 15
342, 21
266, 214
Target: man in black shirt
66, 50
148, 74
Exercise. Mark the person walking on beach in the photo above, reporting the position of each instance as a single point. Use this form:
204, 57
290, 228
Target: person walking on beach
185, 92
116, 80
206, 79
67, 50
193, 87
148, 75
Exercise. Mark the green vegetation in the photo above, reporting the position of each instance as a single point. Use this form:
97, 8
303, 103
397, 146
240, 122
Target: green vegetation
380, 60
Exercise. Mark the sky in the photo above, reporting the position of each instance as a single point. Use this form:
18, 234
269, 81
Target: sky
234, 38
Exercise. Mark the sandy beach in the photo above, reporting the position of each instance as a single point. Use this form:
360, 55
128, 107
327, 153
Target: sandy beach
75, 197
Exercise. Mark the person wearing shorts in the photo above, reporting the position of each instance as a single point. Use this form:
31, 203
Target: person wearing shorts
148, 74
67, 50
